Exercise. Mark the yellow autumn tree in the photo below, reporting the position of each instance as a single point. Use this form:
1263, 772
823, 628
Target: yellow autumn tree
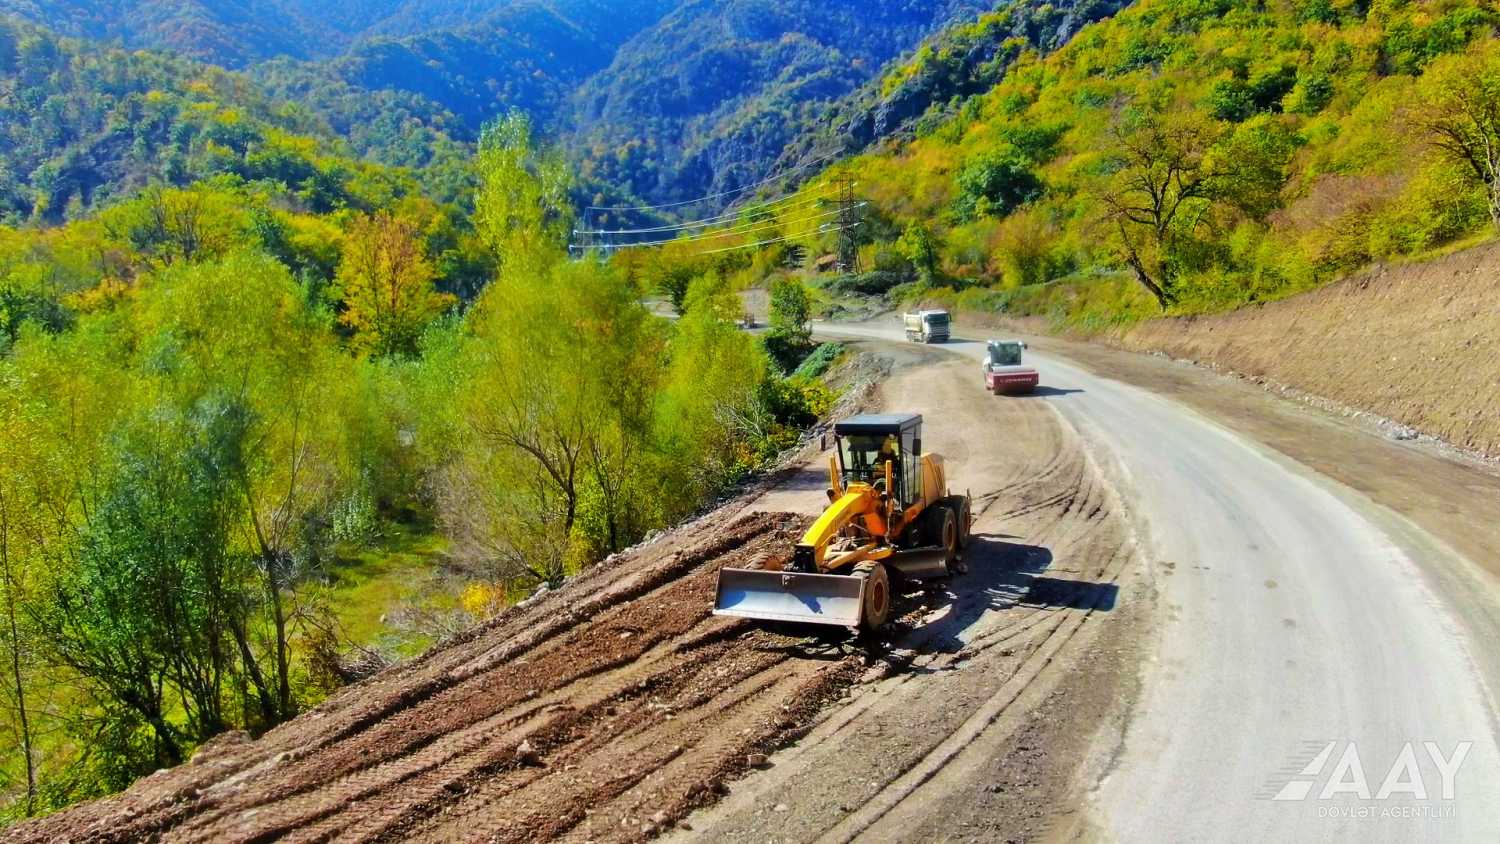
387, 282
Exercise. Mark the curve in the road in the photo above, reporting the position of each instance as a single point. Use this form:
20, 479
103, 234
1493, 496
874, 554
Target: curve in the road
1290, 620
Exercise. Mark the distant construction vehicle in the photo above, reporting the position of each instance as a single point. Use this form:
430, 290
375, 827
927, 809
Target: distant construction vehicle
1004, 373
891, 511
927, 326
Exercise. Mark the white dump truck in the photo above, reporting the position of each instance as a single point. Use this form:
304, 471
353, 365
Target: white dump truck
927, 326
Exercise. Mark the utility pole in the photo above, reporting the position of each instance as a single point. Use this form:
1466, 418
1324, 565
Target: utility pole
848, 221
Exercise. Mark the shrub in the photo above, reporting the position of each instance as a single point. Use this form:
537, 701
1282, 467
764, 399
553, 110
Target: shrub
875, 283
820, 361
996, 183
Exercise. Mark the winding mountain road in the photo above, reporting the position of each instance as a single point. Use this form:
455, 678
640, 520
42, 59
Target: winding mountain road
1304, 636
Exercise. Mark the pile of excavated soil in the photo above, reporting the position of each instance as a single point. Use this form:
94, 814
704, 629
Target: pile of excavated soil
604, 710
1418, 344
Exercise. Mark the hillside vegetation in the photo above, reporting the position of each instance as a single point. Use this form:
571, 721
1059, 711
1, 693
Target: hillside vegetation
245, 415
527, 55
962, 60
83, 127
1195, 155
237, 33
659, 100
706, 100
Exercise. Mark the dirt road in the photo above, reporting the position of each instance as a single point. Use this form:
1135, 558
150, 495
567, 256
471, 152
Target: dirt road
999, 688
1295, 613
612, 708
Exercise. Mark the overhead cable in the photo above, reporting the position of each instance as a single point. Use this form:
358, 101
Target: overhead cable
719, 195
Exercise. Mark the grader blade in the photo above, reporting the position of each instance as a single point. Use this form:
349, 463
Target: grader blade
790, 596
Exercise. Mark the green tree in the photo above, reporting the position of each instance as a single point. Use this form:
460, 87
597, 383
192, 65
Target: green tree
1460, 111
564, 366
521, 208
919, 247
147, 612
996, 183
790, 336
239, 335
11, 585
167, 226
708, 417
1157, 200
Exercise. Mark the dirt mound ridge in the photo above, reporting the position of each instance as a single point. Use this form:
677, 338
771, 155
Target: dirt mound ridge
602, 710
1418, 344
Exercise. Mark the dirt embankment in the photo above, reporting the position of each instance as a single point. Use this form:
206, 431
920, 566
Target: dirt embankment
613, 707
1418, 344
602, 710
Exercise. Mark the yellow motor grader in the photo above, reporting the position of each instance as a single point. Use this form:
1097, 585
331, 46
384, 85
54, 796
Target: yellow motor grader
890, 512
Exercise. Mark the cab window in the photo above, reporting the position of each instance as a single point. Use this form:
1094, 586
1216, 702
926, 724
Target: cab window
863, 457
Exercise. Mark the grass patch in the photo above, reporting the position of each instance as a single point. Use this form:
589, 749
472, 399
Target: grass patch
372, 586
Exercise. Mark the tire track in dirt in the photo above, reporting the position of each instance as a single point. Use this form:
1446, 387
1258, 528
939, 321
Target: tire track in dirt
980, 649
612, 708
619, 693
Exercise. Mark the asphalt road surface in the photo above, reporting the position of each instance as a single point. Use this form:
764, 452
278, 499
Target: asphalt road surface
1304, 639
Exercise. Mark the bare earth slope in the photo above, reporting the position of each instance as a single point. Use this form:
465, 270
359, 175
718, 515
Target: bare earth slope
1415, 343
994, 697
609, 709
629, 697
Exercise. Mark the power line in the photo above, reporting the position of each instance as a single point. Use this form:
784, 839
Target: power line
743, 228
821, 230
749, 228
795, 200
720, 195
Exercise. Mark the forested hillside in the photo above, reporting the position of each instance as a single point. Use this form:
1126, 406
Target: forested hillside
1190, 156
236, 33
961, 61
659, 100
231, 34
528, 55
82, 127
705, 101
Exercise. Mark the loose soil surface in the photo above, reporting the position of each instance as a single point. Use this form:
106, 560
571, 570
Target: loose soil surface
998, 684
610, 706
615, 706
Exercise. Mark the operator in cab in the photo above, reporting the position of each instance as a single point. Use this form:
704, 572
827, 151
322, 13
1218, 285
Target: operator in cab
890, 452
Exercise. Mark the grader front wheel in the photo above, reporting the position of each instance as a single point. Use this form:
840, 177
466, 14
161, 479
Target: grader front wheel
877, 596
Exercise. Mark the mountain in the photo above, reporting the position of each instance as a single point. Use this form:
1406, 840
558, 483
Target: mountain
963, 60
1189, 157
81, 127
526, 54
237, 33
657, 100
231, 33
706, 100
